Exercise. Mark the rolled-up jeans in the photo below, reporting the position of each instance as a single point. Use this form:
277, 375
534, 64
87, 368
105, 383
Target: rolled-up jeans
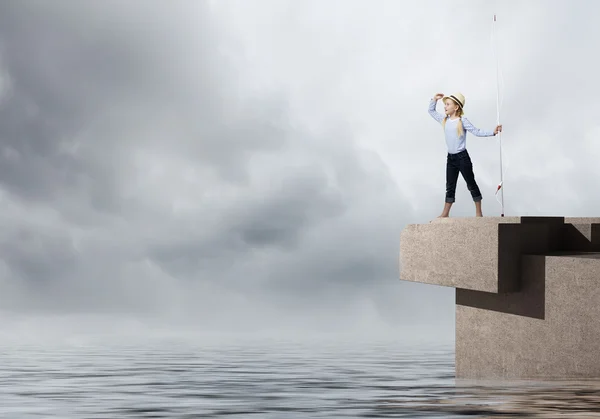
460, 162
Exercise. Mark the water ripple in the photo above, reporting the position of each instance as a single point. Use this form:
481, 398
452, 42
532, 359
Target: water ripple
265, 380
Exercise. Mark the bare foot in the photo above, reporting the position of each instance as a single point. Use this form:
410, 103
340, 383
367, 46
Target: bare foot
479, 215
446, 211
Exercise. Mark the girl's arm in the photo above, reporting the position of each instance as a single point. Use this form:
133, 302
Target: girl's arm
434, 114
476, 131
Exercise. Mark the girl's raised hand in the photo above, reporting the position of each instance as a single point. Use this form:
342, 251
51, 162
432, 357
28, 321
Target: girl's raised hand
498, 129
438, 96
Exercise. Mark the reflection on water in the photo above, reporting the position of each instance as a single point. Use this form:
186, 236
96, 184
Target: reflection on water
565, 399
266, 379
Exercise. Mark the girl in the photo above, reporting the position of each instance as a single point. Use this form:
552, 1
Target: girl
458, 159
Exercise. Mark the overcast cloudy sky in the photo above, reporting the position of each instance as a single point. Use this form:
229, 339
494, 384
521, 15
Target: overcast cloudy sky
249, 165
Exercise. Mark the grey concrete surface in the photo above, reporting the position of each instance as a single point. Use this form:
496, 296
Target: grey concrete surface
527, 292
480, 254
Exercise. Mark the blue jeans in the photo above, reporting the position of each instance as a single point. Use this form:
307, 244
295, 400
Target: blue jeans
460, 162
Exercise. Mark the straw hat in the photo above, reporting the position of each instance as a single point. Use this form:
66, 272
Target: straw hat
457, 98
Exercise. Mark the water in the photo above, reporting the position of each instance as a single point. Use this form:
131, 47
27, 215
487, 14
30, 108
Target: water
260, 379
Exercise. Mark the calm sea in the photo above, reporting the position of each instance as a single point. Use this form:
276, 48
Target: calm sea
263, 378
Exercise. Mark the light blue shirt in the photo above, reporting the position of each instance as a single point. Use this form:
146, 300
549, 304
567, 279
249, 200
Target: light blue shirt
455, 143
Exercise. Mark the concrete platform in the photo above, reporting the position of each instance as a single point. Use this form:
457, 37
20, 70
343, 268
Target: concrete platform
527, 292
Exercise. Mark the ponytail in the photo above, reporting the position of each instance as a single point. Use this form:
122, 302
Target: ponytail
459, 126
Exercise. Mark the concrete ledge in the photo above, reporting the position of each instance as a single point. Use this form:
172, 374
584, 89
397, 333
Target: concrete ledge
480, 254
527, 292
483, 254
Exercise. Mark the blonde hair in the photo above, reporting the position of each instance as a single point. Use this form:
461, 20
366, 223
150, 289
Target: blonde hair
459, 126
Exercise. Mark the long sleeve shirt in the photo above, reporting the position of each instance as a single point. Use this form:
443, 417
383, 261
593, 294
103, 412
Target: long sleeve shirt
456, 143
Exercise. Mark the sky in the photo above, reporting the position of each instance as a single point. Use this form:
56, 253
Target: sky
247, 167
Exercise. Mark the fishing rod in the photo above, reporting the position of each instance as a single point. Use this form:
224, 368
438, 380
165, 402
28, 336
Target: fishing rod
495, 48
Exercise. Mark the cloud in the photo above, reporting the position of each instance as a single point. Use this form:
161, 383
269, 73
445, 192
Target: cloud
228, 166
139, 180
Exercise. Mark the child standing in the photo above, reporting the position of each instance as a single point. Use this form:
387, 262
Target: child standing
458, 159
